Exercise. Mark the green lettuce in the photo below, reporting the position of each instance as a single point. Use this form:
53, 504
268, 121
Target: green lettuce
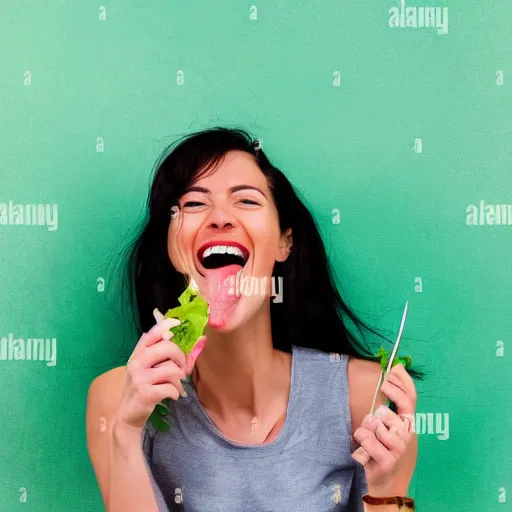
384, 356
193, 315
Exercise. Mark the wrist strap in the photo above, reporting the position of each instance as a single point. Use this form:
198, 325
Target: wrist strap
401, 501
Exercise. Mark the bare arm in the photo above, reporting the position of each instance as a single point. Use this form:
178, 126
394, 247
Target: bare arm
116, 453
364, 376
129, 485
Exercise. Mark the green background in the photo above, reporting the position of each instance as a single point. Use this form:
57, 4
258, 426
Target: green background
68, 77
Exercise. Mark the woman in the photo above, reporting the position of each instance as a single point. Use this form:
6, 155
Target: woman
265, 420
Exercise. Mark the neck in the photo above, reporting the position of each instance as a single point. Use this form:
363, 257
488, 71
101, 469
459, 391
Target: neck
239, 374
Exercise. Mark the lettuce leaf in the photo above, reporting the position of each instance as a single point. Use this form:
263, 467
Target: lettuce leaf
384, 356
193, 315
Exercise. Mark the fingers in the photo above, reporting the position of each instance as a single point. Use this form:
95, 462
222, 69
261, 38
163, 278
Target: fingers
160, 319
405, 403
158, 332
398, 375
160, 392
158, 316
361, 456
384, 440
160, 353
165, 373
374, 451
391, 420
378, 440
194, 354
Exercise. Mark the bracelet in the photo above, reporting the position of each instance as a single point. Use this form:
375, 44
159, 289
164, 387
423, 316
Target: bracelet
401, 501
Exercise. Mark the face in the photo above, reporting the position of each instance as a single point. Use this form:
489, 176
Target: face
231, 205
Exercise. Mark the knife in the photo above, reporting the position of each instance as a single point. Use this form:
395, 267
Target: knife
383, 374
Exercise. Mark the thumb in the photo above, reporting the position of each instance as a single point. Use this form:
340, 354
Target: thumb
194, 354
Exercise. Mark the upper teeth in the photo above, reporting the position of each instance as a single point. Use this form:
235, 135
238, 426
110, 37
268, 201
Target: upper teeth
222, 249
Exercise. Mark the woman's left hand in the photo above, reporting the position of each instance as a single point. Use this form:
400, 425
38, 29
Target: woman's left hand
388, 440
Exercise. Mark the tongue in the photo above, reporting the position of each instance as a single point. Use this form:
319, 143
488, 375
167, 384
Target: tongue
220, 293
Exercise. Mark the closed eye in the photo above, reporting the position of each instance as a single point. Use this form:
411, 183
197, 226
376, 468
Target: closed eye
196, 203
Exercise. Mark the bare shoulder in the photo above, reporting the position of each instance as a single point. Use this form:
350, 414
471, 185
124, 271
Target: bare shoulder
112, 376
103, 399
106, 388
104, 396
363, 377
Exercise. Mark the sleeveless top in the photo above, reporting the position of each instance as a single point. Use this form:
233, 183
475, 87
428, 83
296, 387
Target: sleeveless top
307, 468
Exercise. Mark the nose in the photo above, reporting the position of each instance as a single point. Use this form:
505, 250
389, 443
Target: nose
221, 218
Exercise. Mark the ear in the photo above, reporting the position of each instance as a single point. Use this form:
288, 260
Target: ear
285, 245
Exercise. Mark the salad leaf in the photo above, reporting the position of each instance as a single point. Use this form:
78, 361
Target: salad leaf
158, 419
193, 315
384, 356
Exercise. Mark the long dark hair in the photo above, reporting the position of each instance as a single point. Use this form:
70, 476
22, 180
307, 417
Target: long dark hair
312, 313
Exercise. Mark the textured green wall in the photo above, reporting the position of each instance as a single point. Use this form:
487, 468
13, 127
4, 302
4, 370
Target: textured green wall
392, 133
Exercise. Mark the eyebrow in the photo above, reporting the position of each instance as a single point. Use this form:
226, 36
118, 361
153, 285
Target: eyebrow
236, 188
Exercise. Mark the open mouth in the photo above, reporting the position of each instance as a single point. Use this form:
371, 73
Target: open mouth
216, 256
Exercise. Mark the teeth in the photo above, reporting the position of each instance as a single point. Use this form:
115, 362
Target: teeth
222, 249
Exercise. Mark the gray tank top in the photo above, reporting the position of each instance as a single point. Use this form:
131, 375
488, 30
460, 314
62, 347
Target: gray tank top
307, 468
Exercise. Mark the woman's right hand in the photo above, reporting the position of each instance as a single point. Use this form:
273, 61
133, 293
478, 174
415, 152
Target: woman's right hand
153, 373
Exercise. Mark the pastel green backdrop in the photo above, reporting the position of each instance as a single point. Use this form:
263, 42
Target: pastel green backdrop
391, 131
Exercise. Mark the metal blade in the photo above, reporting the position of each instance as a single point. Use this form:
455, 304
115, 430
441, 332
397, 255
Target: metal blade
395, 348
383, 375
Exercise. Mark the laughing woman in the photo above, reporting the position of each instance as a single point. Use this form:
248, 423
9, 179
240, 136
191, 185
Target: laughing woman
267, 419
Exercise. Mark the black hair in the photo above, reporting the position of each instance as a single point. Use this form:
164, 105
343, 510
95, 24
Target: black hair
312, 313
